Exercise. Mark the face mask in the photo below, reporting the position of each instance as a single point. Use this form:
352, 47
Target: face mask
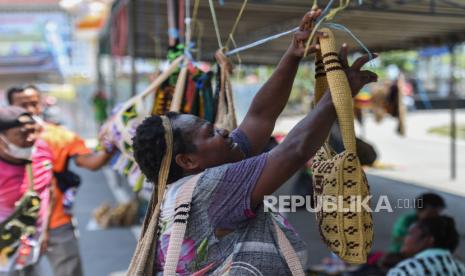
18, 152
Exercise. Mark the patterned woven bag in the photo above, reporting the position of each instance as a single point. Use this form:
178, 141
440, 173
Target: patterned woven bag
18, 228
339, 177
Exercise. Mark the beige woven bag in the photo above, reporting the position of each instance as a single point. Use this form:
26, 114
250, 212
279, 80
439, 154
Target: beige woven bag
226, 112
339, 177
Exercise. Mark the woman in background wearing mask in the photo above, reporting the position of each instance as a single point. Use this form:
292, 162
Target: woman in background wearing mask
19, 148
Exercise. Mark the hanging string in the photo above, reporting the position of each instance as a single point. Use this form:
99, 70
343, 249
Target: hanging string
320, 20
261, 41
324, 15
215, 24
172, 30
236, 23
194, 14
188, 35
237, 55
345, 29
196, 29
199, 40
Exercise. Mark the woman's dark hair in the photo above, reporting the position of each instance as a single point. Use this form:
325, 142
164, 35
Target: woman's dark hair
442, 229
150, 146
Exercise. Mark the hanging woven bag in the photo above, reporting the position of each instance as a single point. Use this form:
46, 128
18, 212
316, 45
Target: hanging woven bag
348, 232
226, 112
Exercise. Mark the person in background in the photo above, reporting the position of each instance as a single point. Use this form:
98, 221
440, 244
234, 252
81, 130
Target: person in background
19, 146
429, 245
62, 246
427, 205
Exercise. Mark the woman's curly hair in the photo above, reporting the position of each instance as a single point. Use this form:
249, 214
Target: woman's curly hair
150, 146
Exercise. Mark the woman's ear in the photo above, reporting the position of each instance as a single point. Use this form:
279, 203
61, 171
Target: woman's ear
187, 161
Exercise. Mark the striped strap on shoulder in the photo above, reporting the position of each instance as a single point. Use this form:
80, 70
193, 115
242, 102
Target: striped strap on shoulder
288, 252
181, 216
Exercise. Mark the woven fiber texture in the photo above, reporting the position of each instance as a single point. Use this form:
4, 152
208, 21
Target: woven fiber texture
181, 216
226, 112
288, 252
21, 224
143, 261
133, 112
349, 234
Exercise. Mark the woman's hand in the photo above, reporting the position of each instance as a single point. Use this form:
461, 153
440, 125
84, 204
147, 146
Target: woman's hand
299, 42
357, 78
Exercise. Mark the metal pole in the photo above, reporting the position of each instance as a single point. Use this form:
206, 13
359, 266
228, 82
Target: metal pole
453, 125
98, 72
132, 44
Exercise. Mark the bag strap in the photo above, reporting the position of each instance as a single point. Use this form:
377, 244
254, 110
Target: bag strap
321, 83
340, 89
156, 83
30, 176
288, 252
180, 88
178, 230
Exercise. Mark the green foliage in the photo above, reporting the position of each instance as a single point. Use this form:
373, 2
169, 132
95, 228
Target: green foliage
445, 131
404, 60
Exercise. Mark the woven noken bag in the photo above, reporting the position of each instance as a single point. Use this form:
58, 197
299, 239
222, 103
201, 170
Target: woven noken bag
138, 111
226, 112
349, 234
21, 224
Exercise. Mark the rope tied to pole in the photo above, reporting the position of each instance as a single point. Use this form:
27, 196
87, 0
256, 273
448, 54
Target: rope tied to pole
215, 24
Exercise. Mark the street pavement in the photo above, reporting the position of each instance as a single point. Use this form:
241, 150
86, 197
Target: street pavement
416, 170
103, 251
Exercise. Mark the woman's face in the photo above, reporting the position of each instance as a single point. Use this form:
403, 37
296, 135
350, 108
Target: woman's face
416, 241
213, 146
